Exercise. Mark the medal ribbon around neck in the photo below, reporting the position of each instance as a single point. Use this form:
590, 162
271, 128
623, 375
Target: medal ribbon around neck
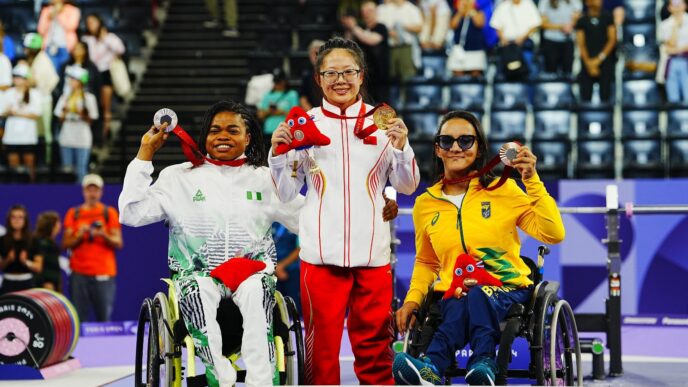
359, 131
189, 147
507, 153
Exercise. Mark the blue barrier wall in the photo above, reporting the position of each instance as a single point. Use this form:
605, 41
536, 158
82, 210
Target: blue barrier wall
654, 250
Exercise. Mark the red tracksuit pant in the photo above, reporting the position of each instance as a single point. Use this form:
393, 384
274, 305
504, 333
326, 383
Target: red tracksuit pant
326, 293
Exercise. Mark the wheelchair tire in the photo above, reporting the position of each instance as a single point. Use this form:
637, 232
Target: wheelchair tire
564, 325
552, 363
165, 339
147, 325
297, 332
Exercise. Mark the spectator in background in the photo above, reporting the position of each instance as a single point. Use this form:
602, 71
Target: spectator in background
23, 108
5, 74
287, 267
76, 109
309, 95
231, 17
373, 38
44, 78
80, 58
559, 17
58, 24
93, 233
404, 21
673, 33
350, 8
18, 259
103, 47
596, 38
515, 21
469, 53
616, 8
436, 15
276, 104
48, 227
7, 44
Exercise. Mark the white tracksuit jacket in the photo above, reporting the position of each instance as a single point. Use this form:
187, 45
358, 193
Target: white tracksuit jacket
341, 222
214, 212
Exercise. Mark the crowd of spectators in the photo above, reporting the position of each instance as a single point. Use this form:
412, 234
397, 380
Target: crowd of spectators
56, 98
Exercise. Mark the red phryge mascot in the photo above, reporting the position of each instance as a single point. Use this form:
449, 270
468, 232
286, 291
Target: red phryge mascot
305, 133
467, 268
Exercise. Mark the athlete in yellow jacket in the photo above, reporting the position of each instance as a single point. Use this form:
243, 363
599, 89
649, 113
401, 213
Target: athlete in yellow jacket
454, 218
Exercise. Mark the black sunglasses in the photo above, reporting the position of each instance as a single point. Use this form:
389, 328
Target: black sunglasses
446, 141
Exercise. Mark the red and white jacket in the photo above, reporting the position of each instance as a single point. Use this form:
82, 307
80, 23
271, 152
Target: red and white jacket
341, 221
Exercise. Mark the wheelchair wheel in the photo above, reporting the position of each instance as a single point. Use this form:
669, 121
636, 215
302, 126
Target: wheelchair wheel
553, 358
564, 325
147, 326
292, 338
165, 339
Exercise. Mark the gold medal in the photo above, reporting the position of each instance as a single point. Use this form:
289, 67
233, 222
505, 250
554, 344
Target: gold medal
382, 115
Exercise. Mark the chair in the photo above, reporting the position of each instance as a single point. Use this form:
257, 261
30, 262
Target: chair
423, 94
467, 95
553, 95
434, 66
160, 320
19, 17
678, 158
546, 322
640, 124
507, 125
642, 159
595, 159
424, 149
639, 11
422, 123
677, 122
595, 124
309, 32
553, 158
510, 96
640, 93
639, 35
552, 125
639, 57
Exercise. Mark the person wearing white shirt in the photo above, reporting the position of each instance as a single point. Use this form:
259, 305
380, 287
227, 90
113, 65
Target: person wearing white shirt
76, 109
22, 107
217, 211
673, 32
103, 47
515, 21
558, 22
5, 72
436, 15
404, 21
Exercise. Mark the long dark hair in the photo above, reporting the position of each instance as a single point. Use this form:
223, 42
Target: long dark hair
255, 151
352, 48
100, 27
87, 55
45, 224
483, 153
25, 230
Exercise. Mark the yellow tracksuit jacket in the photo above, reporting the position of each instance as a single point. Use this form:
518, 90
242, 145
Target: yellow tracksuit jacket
484, 227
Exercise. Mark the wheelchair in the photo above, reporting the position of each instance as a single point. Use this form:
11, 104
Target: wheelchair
162, 329
546, 322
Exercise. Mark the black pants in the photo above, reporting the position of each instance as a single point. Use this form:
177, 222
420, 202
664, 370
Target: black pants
9, 286
585, 81
558, 56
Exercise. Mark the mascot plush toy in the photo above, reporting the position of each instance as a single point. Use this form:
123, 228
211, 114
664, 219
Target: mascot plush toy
468, 273
233, 272
305, 133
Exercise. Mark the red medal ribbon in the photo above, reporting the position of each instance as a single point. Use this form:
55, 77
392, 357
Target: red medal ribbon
194, 155
359, 131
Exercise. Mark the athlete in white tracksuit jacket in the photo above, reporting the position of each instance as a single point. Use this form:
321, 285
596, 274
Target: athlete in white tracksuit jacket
345, 245
221, 209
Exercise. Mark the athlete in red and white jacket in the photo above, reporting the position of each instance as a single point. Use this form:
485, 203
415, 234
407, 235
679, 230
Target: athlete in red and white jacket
345, 244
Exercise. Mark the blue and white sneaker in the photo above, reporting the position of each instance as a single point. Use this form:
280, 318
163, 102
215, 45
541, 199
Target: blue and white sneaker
410, 371
482, 372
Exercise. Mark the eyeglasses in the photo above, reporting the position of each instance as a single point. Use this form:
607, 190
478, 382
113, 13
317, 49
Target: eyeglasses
332, 76
446, 142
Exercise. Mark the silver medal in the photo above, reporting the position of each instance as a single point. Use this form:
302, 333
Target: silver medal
165, 115
508, 152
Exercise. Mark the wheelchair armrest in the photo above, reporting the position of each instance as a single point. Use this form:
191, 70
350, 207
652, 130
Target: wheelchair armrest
552, 287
